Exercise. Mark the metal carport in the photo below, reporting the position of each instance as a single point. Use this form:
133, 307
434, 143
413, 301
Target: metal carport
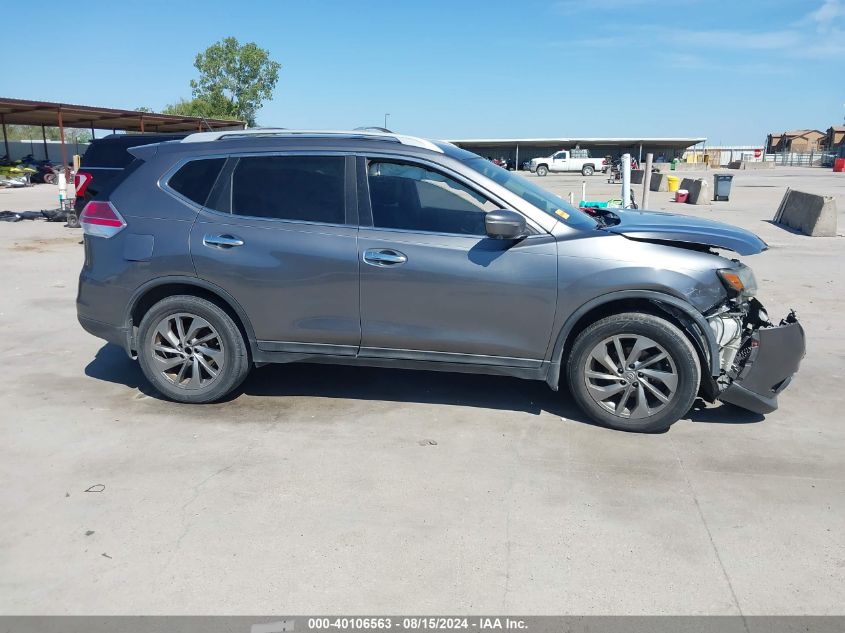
62, 115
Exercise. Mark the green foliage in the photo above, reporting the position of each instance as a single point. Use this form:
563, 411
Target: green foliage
234, 81
33, 132
200, 107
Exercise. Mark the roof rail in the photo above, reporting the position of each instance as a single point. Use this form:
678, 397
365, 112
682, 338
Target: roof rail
203, 137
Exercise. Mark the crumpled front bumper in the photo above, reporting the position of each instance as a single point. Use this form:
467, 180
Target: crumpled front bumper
776, 353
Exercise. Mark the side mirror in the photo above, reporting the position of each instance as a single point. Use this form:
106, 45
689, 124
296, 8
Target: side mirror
505, 225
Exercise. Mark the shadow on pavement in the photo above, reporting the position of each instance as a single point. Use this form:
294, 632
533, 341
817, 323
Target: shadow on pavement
398, 385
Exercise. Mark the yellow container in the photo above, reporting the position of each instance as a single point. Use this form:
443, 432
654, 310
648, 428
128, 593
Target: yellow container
674, 183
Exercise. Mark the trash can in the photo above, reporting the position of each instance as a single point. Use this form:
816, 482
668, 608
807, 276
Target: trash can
839, 164
672, 165
674, 183
681, 195
722, 186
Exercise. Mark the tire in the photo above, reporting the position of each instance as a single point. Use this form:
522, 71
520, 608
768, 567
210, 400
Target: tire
588, 170
207, 355
542, 170
627, 399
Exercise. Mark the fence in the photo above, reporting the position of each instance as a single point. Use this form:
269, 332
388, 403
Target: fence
801, 159
19, 149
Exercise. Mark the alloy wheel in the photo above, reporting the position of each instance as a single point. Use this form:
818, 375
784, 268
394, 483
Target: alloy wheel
187, 351
631, 376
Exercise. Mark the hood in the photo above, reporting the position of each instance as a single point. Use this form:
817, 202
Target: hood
654, 226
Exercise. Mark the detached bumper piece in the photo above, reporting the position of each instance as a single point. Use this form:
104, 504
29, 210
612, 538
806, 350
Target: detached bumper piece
773, 357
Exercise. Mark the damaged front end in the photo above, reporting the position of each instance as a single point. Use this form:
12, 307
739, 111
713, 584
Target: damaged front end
757, 358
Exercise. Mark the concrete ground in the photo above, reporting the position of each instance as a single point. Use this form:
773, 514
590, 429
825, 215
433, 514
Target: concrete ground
330, 489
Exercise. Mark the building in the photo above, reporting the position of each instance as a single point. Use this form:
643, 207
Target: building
799, 141
520, 150
835, 138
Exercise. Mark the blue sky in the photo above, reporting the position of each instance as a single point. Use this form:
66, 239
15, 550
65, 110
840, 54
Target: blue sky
730, 71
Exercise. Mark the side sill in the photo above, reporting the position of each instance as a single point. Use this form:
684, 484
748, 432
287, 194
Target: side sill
262, 357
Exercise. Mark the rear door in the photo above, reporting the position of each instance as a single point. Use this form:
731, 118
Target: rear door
279, 234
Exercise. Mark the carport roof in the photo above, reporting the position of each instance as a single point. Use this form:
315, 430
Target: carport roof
25, 112
668, 142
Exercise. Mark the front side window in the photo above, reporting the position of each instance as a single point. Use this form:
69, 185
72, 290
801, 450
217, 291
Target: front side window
411, 197
304, 188
195, 178
544, 200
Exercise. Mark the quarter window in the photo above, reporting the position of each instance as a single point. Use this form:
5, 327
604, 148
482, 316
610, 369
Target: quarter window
195, 179
305, 188
410, 197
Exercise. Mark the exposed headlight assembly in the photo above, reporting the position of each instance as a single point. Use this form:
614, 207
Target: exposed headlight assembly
738, 281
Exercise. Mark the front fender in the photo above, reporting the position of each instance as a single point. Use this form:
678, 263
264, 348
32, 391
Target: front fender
661, 299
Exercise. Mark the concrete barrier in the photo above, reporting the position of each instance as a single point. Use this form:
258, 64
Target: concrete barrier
659, 182
742, 164
806, 212
699, 190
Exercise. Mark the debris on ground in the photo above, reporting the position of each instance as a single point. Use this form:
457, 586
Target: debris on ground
96, 488
50, 215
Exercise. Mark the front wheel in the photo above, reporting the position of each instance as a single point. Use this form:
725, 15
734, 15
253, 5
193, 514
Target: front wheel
587, 170
542, 170
191, 350
634, 372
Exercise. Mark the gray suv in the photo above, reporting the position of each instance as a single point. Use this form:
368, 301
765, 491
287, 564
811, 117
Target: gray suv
231, 249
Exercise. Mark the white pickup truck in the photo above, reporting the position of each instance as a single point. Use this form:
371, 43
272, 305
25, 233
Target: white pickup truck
563, 161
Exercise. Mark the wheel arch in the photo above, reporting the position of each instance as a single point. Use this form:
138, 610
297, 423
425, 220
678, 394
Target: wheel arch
154, 291
677, 311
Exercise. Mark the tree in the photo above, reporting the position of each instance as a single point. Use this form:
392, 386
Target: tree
234, 80
51, 133
199, 107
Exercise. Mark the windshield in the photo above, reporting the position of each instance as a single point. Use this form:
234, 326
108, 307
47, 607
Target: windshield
544, 200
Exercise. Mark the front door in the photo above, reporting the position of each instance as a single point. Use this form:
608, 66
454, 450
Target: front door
561, 161
277, 235
433, 286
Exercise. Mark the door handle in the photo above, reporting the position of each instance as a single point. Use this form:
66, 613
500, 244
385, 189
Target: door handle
222, 241
384, 257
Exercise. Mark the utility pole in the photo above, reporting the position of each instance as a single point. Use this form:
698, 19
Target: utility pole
626, 181
647, 180
386, 114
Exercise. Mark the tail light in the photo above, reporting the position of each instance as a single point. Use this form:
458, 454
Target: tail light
101, 219
81, 181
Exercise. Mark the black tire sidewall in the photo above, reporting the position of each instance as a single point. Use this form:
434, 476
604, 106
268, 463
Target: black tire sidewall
542, 170
663, 332
236, 357
588, 171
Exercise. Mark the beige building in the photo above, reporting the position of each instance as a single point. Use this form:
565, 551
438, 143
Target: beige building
799, 141
835, 137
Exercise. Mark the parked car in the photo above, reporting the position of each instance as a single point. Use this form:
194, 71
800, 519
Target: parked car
105, 159
230, 249
563, 161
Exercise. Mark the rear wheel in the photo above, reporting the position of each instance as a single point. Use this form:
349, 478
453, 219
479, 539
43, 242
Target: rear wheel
587, 170
190, 350
634, 372
542, 170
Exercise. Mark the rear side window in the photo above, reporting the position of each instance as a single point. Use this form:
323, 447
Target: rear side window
304, 188
195, 179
